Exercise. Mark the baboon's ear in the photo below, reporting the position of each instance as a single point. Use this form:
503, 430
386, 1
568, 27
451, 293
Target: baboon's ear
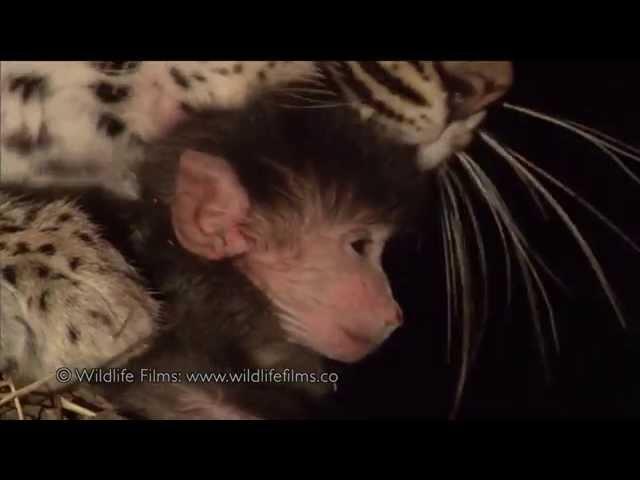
209, 207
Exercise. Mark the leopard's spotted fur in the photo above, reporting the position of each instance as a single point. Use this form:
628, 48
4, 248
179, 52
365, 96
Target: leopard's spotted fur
69, 299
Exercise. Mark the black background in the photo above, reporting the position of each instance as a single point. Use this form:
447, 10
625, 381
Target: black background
595, 374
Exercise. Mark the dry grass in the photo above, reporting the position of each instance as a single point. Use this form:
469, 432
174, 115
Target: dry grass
36, 403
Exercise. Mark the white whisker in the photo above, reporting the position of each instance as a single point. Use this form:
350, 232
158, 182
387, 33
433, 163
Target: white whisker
505, 246
309, 100
447, 273
458, 241
578, 198
450, 272
501, 214
605, 147
624, 148
526, 269
573, 229
307, 90
299, 96
480, 243
463, 273
510, 222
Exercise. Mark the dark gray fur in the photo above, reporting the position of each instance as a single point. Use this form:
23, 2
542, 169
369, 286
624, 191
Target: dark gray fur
215, 319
